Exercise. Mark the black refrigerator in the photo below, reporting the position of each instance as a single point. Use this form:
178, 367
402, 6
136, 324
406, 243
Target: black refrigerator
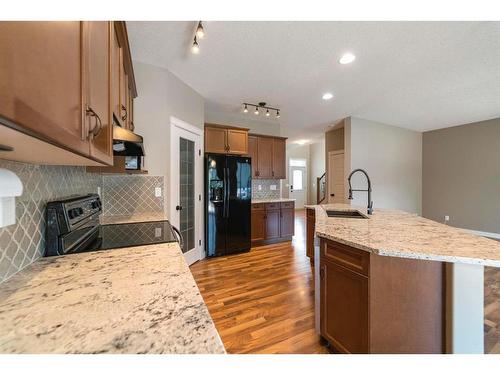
228, 197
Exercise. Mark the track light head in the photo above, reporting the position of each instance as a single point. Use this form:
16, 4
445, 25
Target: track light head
245, 110
267, 113
195, 48
256, 110
278, 114
200, 32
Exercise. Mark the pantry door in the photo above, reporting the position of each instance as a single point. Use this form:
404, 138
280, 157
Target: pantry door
186, 187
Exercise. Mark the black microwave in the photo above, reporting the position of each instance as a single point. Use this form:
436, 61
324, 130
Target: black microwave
133, 162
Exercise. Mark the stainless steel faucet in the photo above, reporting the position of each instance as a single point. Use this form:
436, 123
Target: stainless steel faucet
369, 190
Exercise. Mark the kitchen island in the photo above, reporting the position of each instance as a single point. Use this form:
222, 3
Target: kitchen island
140, 299
419, 275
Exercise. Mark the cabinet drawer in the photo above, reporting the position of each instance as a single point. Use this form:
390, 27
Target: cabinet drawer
287, 204
272, 206
258, 206
346, 256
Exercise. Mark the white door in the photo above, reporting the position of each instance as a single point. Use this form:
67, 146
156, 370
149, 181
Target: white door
297, 178
336, 181
186, 187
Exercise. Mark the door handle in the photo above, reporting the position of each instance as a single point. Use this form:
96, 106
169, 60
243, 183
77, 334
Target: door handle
332, 194
178, 208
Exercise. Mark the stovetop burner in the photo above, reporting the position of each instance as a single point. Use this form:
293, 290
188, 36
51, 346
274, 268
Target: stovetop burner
73, 227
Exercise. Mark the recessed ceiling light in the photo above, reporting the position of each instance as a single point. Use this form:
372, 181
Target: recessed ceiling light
327, 96
347, 58
302, 141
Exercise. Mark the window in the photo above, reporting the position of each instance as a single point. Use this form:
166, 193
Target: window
297, 179
297, 162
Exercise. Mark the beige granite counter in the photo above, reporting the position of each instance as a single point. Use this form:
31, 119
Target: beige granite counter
404, 235
272, 200
135, 218
134, 300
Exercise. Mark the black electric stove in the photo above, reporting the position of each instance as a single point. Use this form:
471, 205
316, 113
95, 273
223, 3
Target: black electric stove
73, 227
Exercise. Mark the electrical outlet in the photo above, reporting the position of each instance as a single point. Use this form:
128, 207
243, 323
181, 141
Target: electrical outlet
158, 232
273, 187
259, 187
99, 191
446, 218
158, 192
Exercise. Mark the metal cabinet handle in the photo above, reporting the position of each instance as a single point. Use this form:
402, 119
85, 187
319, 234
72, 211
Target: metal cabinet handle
96, 130
124, 117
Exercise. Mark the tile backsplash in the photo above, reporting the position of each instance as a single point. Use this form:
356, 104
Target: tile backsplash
266, 192
129, 194
23, 242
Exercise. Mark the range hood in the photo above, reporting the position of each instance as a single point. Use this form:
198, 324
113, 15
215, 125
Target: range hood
126, 143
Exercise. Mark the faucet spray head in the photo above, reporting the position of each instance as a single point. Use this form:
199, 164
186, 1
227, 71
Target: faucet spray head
350, 194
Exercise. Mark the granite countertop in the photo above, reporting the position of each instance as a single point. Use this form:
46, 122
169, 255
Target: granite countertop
400, 234
135, 300
272, 200
132, 218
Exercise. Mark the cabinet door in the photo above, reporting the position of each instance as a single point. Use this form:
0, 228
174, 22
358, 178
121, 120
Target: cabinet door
115, 76
310, 219
265, 159
215, 140
97, 80
41, 83
344, 308
252, 152
287, 225
258, 225
279, 158
272, 224
237, 142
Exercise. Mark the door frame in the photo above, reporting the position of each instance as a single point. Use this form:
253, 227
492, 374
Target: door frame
305, 187
177, 127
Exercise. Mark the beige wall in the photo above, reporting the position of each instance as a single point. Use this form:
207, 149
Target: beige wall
461, 175
161, 95
317, 167
392, 157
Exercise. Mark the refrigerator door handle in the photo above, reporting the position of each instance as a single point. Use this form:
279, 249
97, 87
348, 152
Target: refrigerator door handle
225, 195
228, 188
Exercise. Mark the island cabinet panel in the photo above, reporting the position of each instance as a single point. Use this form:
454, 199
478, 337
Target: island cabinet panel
344, 301
265, 159
41, 83
377, 304
310, 223
279, 158
252, 152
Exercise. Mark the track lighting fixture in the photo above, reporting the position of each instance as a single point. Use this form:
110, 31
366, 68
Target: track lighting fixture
200, 33
195, 48
261, 105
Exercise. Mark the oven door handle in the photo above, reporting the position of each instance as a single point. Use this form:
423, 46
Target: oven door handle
178, 234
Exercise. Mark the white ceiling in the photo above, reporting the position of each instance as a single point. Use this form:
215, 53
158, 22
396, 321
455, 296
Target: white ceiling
417, 75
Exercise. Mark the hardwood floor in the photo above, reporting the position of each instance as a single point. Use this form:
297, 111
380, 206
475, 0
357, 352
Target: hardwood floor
263, 301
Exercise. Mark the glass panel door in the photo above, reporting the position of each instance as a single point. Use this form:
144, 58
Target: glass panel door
186, 189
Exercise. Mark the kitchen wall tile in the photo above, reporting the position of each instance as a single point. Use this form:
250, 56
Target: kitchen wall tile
266, 192
129, 194
23, 243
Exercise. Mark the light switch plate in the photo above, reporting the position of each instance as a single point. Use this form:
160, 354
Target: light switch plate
158, 192
273, 187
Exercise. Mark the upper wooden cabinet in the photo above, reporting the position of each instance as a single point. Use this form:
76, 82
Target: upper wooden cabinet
41, 81
268, 156
58, 86
226, 140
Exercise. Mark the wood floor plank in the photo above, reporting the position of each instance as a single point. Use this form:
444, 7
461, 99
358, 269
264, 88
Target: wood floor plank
263, 301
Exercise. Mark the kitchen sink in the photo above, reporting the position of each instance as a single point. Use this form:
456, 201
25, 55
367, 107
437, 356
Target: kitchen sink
346, 214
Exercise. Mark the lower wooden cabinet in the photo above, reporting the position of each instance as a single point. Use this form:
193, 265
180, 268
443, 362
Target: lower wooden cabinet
378, 304
272, 222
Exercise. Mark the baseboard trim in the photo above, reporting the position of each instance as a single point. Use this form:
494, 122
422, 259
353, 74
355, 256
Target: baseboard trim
483, 234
